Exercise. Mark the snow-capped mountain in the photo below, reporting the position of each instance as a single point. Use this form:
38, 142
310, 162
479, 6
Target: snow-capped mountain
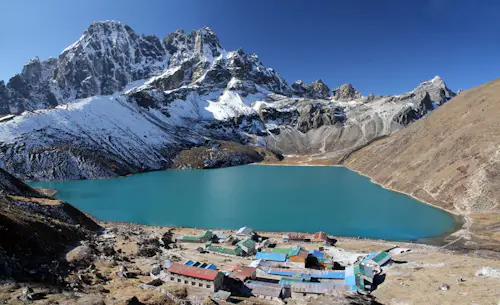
115, 102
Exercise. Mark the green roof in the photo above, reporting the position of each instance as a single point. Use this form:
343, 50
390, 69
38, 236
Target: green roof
191, 238
287, 251
235, 251
206, 234
246, 243
381, 257
199, 238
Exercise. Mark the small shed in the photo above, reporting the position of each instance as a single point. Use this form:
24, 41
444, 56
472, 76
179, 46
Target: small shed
245, 232
320, 237
222, 295
248, 246
376, 259
221, 237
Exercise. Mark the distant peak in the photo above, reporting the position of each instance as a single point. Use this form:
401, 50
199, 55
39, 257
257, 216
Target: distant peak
206, 28
97, 26
35, 59
106, 23
436, 78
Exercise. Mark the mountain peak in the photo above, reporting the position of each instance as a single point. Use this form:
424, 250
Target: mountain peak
436, 78
437, 88
346, 92
102, 23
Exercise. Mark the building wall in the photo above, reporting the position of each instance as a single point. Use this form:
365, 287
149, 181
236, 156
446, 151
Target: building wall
266, 297
195, 282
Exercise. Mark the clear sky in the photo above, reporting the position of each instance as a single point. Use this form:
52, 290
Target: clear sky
385, 47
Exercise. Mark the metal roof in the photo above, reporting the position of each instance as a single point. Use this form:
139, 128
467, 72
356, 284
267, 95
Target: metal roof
234, 251
318, 288
317, 253
274, 292
276, 257
244, 231
242, 273
382, 258
378, 258
246, 243
318, 274
205, 274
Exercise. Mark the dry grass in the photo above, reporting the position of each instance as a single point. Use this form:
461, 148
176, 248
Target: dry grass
42, 201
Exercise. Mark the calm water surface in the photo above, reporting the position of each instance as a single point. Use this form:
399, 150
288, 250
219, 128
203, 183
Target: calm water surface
268, 198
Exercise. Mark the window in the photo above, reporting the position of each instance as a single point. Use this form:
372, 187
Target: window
193, 283
172, 278
208, 286
178, 280
185, 281
200, 284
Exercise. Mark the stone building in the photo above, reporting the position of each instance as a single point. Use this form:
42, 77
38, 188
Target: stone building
193, 276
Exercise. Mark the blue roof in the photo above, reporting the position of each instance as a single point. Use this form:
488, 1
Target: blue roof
329, 275
317, 253
189, 263
269, 256
211, 267
320, 275
200, 265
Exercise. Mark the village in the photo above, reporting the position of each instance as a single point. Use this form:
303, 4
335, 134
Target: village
273, 269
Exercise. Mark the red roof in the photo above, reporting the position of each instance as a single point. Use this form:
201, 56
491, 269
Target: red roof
320, 236
199, 273
242, 273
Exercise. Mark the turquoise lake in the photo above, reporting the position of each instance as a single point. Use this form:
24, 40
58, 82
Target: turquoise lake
267, 198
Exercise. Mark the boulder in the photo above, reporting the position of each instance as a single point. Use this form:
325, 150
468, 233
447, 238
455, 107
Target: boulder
81, 255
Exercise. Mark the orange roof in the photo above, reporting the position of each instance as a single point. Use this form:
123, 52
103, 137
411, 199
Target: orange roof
320, 236
204, 274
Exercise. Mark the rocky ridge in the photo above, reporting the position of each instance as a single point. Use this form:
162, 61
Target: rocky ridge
449, 159
115, 103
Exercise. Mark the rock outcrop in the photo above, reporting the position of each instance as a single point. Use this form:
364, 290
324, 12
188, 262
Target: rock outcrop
36, 231
346, 92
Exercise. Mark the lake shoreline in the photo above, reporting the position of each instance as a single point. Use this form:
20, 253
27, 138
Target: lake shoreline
461, 221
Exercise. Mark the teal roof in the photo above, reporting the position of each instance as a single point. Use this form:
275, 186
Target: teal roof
247, 243
381, 258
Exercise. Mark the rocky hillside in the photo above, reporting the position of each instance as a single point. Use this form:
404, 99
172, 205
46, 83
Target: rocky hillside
116, 102
36, 231
449, 158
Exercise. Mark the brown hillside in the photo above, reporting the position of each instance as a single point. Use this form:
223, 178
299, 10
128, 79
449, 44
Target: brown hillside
451, 158
36, 231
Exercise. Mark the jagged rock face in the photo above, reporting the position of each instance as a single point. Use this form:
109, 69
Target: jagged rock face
437, 90
411, 114
108, 56
150, 98
316, 89
4, 98
319, 89
346, 93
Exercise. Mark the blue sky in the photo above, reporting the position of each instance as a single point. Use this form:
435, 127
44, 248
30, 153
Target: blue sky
384, 47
